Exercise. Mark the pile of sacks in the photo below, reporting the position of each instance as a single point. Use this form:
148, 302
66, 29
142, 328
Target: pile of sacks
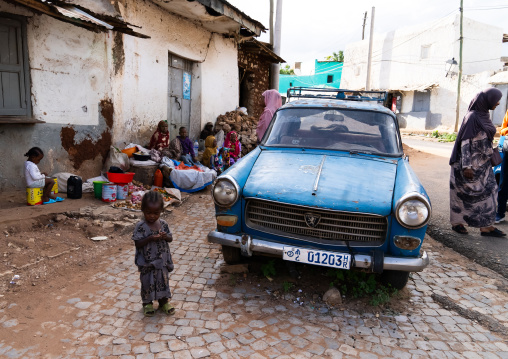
243, 124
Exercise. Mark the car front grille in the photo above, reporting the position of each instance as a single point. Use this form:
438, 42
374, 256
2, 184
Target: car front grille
289, 220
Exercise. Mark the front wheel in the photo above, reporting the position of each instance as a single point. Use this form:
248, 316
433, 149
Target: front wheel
397, 279
231, 255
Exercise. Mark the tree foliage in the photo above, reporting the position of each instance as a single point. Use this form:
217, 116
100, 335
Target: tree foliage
286, 70
337, 56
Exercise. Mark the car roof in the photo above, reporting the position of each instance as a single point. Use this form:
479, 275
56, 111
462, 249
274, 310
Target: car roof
346, 104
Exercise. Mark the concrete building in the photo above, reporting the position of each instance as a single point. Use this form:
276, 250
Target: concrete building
324, 74
415, 65
84, 75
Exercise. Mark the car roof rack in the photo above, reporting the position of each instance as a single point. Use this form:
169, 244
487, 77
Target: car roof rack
336, 94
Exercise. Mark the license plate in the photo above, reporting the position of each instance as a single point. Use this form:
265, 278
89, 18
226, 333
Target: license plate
320, 258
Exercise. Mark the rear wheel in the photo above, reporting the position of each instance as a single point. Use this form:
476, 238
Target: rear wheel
397, 279
231, 255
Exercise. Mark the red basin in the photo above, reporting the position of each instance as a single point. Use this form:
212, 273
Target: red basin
122, 178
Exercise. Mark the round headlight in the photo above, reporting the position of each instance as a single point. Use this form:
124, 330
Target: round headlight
225, 192
413, 212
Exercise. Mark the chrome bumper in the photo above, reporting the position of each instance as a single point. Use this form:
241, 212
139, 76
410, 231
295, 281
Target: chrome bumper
248, 245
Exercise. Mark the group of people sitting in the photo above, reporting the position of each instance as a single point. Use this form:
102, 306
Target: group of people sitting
181, 148
220, 153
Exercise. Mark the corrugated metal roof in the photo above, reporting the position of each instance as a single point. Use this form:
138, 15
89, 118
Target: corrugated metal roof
79, 16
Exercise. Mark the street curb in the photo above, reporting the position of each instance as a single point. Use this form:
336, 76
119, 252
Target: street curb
460, 244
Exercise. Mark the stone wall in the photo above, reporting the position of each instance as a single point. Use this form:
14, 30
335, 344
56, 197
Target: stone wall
255, 69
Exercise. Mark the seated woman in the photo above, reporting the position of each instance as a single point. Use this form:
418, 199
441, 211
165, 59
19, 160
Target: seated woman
207, 131
160, 138
210, 151
235, 148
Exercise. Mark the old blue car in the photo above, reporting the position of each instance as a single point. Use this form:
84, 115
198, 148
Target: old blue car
328, 185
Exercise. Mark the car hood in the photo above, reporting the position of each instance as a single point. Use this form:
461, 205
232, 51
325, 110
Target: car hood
353, 183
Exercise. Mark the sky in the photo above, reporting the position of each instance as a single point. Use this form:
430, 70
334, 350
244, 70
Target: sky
314, 29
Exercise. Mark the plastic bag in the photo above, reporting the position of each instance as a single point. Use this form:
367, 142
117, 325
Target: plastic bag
116, 158
219, 137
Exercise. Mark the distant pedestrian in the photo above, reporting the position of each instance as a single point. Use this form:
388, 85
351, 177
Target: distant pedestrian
502, 195
273, 101
153, 257
473, 188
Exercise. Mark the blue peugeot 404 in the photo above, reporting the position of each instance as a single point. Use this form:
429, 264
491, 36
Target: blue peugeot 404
328, 185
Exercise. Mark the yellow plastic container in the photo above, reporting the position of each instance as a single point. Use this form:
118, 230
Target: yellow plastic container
54, 190
34, 196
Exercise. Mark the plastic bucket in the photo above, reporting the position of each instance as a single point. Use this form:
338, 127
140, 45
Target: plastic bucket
54, 190
33, 196
109, 192
122, 191
97, 188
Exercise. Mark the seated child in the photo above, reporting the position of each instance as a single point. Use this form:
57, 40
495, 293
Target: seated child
35, 179
153, 257
188, 157
218, 163
160, 138
210, 151
235, 148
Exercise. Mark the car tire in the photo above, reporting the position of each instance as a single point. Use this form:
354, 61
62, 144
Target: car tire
396, 279
231, 255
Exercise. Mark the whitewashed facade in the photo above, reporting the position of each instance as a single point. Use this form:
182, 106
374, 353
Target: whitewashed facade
110, 88
411, 63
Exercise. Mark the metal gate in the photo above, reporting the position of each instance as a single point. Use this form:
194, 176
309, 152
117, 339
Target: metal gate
179, 94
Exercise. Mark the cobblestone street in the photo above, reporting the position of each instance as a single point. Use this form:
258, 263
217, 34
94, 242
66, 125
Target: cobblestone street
228, 322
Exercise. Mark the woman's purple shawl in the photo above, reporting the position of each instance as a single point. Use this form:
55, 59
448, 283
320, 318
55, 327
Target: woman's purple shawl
477, 119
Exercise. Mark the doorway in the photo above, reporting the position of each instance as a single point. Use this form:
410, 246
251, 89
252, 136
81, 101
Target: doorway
179, 94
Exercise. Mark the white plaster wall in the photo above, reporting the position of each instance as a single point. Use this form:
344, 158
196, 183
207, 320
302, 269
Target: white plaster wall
481, 42
220, 90
68, 69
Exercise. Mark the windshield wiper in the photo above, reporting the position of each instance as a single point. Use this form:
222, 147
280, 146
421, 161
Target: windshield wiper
356, 152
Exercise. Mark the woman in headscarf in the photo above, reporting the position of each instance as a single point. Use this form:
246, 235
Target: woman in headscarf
473, 188
210, 151
160, 138
273, 101
207, 131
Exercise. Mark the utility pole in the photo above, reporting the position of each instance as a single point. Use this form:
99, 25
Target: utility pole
364, 20
461, 39
272, 8
369, 60
276, 44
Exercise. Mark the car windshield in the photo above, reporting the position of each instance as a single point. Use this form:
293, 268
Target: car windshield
334, 129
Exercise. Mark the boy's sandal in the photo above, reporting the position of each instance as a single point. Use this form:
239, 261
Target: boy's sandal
148, 310
59, 199
459, 228
49, 201
494, 233
168, 309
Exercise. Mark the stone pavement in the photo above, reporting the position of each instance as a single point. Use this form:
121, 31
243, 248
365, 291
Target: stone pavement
228, 322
